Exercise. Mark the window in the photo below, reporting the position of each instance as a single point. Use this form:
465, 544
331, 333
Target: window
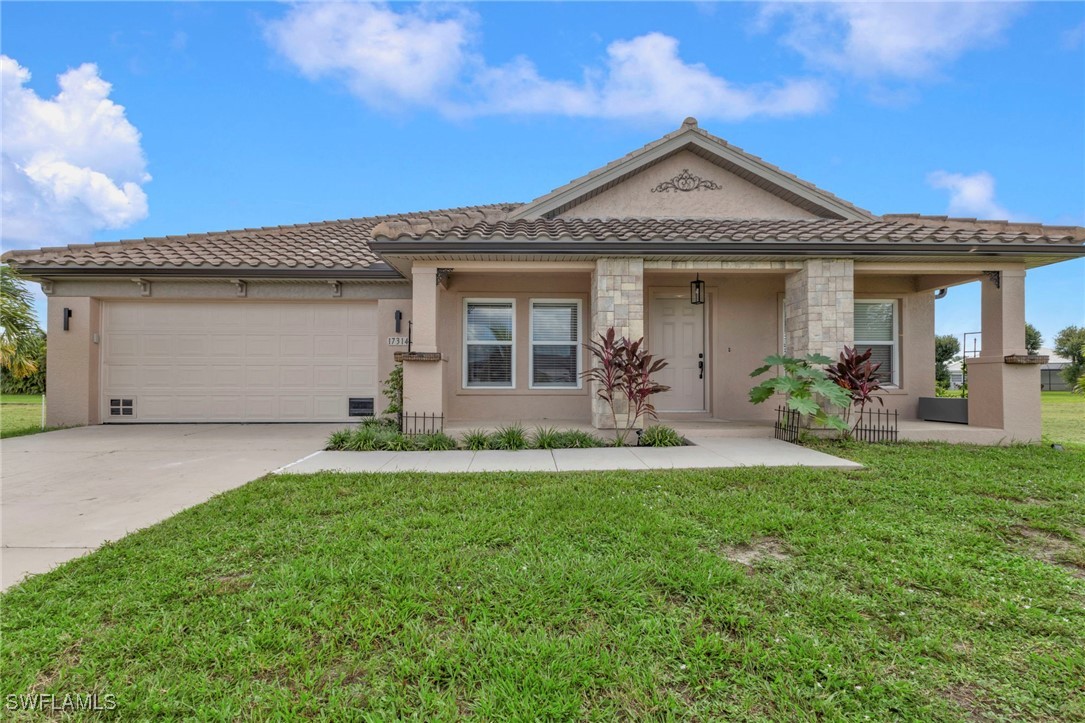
555, 343
876, 329
488, 346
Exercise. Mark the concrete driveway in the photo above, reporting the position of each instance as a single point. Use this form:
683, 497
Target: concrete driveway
65, 493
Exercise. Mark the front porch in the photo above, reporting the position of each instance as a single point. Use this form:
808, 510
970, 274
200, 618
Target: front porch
481, 360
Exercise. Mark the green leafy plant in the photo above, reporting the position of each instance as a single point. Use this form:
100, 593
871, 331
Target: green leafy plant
21, 341
475, 440
392, 389
1070, 343
339, 439
659, 435
545, 438
392, 441
577, 439
435, 442
362, 439
512, 436
623, 372
805, 384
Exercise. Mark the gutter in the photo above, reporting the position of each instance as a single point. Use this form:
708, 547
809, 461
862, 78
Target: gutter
693, 248
383, 273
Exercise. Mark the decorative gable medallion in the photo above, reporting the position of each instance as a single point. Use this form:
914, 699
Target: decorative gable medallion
686, 182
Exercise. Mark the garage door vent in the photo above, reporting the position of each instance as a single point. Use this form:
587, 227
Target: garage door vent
360, 407
121, 408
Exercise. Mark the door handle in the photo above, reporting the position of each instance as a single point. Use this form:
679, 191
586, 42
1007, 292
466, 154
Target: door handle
700, 368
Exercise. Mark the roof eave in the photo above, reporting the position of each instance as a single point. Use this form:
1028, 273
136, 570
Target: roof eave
383, 272
408, 247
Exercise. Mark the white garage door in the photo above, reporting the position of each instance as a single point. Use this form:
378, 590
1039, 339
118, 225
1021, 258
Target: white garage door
236, 361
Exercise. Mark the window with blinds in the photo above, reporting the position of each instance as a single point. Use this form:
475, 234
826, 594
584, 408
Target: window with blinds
488, 343
876, 326
555, 343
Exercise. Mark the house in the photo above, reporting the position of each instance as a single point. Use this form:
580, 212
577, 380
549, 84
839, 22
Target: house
1051, 378
488, 306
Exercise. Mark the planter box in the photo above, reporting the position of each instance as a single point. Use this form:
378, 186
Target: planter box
943, 409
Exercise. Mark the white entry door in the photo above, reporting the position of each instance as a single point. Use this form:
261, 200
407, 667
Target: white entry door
677, 334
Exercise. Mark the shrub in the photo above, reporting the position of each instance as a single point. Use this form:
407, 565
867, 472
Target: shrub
857, 375
388, 440
339, 439
362, 439
545, 438
659, 435
512, 436
623, 371
576, 439
804, 382
392, 389
475, 440
435, 442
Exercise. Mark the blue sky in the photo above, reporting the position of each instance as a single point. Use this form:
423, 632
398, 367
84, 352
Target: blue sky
231, 115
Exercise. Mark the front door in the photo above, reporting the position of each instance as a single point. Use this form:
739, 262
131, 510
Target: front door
677, 334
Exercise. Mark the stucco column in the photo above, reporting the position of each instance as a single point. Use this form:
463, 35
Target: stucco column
819, 308
72, 358
1000, 395
423, 381
617, 300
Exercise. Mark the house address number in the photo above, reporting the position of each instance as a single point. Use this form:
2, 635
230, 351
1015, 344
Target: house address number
397, 341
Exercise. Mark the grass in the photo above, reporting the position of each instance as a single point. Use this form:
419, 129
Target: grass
20, 414
941, 583
1063, 417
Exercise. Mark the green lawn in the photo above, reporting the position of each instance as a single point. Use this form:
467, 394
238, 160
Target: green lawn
1064, 417
941, 583
19, 414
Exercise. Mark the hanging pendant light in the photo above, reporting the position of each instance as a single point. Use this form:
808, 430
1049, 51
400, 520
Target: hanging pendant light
696, 291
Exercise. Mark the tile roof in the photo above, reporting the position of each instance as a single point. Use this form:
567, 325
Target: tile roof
728, 230
325, 245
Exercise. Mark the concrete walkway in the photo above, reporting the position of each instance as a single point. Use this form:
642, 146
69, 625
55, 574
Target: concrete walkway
67, 492
705, 453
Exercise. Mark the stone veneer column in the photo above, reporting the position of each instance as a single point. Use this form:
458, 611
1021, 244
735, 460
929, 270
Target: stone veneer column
617, 300
819, 308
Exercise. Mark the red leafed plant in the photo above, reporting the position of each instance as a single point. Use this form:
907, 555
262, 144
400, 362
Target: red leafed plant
859, 376
624, 372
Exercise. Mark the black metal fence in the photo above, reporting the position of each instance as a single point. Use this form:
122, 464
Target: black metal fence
876, 425
787, 425
415, 424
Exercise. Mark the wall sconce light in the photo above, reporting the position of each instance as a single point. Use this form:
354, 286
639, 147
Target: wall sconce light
696, 291
67, 317
399, 320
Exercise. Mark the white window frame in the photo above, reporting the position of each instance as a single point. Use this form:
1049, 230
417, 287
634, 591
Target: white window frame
531, 343
861, 345
511, 343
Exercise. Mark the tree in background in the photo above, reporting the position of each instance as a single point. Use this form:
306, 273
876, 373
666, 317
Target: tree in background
1070, 343
946, 347
1033, 339
21, 341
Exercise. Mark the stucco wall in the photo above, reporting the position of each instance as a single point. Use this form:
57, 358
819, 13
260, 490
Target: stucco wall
72, 363
521, 403
915, 339
737, 198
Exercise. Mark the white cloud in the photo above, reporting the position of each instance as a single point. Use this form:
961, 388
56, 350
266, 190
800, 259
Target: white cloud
426, 57
970, 195
893, 39
383, 56
71, 164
